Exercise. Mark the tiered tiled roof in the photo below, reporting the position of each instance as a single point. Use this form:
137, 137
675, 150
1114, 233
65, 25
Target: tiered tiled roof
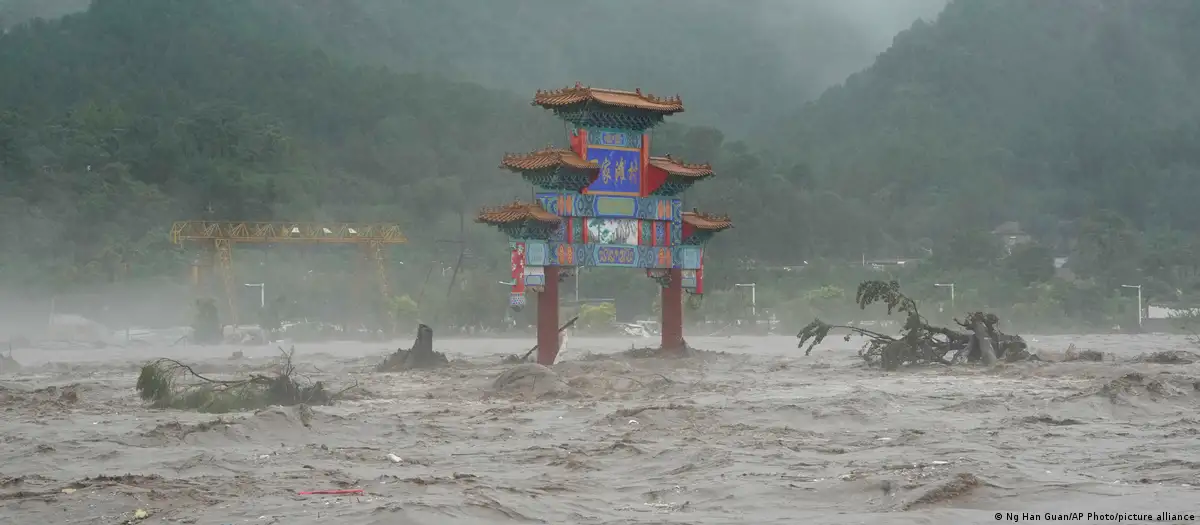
610, 97
546, 158
682, 169
516, 212
707, 222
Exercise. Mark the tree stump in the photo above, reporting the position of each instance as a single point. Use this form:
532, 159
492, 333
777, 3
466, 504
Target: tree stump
421, 355
8, 365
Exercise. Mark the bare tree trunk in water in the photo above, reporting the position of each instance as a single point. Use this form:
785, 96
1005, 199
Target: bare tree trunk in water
986, 349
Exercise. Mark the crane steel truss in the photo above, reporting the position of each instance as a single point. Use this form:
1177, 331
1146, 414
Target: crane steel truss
221, 235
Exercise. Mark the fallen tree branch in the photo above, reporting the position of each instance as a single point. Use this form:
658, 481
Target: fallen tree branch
565, 326
159, 383
918, 341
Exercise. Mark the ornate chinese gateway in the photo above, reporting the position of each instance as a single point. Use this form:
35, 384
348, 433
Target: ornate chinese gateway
605, 201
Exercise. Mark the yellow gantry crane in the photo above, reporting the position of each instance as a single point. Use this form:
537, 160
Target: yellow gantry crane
220, 236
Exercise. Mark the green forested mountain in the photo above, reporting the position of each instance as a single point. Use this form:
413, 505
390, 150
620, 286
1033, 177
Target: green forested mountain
780, 51
115, 122
1076, 118
13, 12
1050, 109
734, 63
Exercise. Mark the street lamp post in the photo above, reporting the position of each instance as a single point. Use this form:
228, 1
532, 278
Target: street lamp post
753, 298
1139, 295
951, 287
262, 293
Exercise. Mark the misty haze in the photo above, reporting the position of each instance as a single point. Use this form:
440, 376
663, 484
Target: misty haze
550, 261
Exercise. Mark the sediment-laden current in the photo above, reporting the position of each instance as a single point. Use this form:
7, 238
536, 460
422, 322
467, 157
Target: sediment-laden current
750, 432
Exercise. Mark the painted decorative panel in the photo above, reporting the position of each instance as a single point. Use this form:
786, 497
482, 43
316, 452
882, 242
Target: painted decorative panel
559, 234
614, 137
564, 255
535, 276
623, 255
607, 206
647, 233
586, 205
620, 170
612, 231
516, 297
660, 234
620, 233
565, 201
662, 210
689, 257
577, 229
518, 267
688, 278
585, 254
616, 256
663, 259
535, 253
647, 257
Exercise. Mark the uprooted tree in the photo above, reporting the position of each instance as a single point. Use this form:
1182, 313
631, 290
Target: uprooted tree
919, 342
167, 383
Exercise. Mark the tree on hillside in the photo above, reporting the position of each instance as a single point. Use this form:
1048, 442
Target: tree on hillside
1031, 263
212, 111
1108, 250
995, 110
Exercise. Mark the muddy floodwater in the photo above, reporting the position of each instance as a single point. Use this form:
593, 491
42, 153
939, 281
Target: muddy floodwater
752, 433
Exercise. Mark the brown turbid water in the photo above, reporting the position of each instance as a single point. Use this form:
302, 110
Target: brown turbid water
749, 432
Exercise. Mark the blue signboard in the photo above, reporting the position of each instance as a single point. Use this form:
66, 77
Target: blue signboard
620, 170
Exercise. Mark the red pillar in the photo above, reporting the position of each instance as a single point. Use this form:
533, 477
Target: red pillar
547, 326
672, 313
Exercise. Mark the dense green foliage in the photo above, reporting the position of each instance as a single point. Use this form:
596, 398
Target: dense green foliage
13, 12
117, 121
1078, 119
1065, 116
